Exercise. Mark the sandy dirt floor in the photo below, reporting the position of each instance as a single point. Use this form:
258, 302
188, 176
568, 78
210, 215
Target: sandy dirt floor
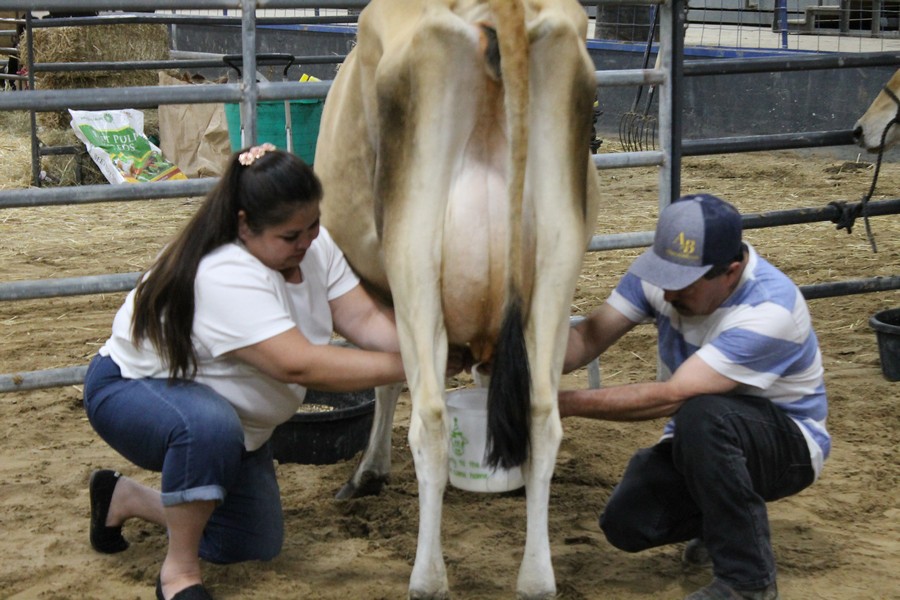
839, 539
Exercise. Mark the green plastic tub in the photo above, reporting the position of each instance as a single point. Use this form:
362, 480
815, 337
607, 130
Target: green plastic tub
305, 118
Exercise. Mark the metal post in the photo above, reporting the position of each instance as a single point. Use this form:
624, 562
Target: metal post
676, 80
251, 91
32, 114
173, 33
844, 16
783, 22
876, 17
666, 54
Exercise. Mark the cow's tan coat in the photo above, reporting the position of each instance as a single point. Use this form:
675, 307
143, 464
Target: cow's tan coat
453, 190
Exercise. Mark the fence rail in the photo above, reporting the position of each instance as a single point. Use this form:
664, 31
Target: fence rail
668, 77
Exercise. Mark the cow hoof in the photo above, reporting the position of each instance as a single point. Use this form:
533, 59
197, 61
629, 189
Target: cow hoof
538, 596
370, 484
422, 595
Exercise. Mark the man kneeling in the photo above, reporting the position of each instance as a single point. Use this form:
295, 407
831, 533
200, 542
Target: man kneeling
742, 381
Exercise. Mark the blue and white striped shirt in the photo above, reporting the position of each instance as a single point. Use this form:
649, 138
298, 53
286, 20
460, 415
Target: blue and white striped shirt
761, 337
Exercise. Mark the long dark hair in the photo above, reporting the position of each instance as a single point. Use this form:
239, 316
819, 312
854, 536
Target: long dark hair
268, 190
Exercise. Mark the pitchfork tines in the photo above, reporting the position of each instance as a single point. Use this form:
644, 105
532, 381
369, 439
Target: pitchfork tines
638, 128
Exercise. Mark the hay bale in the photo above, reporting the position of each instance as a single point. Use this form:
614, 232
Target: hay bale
62, 170
109, 43
15, 149
15, 155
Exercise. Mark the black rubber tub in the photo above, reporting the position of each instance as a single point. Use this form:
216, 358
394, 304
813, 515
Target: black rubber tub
326, 437
887, 329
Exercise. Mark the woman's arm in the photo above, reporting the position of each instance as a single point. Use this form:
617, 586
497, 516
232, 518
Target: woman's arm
291, 358
364, 321
369, 324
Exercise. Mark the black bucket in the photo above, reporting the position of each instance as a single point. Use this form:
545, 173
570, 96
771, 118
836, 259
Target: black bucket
326, 437
887, 329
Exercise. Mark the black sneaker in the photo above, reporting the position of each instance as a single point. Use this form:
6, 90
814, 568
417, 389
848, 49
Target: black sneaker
719, 590
695, 554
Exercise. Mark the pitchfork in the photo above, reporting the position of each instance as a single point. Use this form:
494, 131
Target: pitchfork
637, 129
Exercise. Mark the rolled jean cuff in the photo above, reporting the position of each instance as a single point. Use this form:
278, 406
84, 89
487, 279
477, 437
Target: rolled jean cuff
198, 494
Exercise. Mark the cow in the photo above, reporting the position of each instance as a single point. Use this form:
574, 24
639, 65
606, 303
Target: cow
454, 155
874, 130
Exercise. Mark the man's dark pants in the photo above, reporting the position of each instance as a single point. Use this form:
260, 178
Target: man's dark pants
729, 456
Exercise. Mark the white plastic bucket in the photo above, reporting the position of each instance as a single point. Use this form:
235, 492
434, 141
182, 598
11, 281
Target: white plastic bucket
467, 410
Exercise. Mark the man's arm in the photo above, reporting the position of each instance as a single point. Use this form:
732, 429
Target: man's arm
592, 336
644, 401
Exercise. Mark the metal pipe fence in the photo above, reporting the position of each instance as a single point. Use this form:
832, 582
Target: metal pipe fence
98, 284
154, 65
182, 19
668, 77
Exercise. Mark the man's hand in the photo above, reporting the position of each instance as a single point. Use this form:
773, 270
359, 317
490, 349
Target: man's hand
593, 335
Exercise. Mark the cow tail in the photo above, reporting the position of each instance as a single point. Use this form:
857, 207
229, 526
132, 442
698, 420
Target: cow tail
509, 394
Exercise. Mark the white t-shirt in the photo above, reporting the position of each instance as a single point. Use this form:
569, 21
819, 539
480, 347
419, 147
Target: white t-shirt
240, 302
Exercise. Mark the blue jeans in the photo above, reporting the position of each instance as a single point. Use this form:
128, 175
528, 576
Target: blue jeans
193, 436
729, 456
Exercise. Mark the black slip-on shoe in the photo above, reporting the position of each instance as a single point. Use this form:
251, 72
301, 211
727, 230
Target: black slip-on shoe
107, 540
194, 592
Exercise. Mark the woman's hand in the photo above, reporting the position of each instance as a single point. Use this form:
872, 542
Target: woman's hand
291, 358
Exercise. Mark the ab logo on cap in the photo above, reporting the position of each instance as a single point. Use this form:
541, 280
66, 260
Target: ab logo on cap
686, 247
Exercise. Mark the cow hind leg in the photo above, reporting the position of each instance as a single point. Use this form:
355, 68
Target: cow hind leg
374, 467
428, 440
562, 91
442, 71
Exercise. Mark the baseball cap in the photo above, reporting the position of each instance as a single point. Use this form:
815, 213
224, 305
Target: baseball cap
693, 233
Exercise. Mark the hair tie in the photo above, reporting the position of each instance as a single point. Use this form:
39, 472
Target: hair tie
250, 156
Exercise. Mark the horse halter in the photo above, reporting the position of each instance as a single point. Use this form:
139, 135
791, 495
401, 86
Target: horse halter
896, 100
864, 204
